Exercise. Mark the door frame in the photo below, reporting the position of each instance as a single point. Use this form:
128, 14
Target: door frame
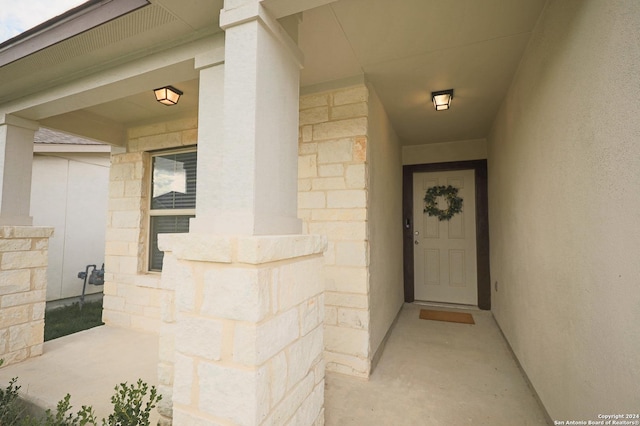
482, 224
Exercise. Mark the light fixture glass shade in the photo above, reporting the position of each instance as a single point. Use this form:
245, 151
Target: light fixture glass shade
168, 95
442, 99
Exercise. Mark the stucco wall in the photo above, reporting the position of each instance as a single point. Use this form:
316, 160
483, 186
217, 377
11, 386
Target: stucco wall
133, 297
564, 203
385, 222
69, 192
475, 149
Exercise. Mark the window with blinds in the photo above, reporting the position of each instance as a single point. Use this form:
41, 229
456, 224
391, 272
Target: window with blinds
173, 198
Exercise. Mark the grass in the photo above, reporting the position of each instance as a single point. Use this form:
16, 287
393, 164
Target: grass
71, 319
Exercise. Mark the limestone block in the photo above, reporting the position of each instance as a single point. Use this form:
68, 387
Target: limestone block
356, 176
307, 133
360, 109
304, 185
25, 298
340, 129
340, 230
197, 336
160, 141
183, 123
310, 409
116, 188
118, 204
348, 199
314, 115
315, 100
122, 235
113, 303
347, 341
38, 278
328, 170
37, 311
286, 409
142, 323
40, 244
236, 293
117, 248
309, 315
15, 281
25, 335
307, 166
128, 264
116, 319
347, 300
354, 318
330, 254
238, 396
36, 350
319, 371
24, 259
121, 172
307, 148
150, 129
253, 345
311, 200
184, 376
351, 95
330, 215
299, 282
347, 364
346, 279
331, 315
165, 406
320, 420
167, 343
278, 377
26, 231
335, 151
15, 245
352, 253
14, 316
189, 137
197, 246
303, 355
320, 184
126, 219
134, 188
15, 356
165, 373
360, 149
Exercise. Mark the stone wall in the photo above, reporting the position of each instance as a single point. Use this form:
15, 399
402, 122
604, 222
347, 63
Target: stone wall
23, 288
243, 345
132, 296
333, 201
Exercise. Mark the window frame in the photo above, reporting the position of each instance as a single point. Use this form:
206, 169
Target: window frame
162, 212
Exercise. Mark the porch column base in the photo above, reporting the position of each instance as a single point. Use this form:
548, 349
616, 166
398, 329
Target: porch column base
244, 343
23, 291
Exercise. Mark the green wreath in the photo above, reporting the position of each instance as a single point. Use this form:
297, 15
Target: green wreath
450, 193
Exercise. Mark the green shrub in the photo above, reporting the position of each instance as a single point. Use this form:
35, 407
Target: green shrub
129, 408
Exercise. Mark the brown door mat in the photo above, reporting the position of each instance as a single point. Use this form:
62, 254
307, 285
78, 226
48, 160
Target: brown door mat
461, 317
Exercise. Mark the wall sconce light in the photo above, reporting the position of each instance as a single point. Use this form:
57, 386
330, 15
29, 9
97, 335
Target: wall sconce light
168, 95
442, 99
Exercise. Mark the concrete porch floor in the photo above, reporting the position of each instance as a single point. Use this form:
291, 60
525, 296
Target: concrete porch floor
430, 373
436, 373
87, 365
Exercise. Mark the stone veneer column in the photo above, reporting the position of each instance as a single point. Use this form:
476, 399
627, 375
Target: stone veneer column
332, 200
23, 291
248, 330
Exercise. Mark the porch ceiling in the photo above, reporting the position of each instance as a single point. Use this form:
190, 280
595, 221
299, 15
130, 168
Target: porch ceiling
406, 49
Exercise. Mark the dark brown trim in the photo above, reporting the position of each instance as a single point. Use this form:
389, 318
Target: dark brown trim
482, 224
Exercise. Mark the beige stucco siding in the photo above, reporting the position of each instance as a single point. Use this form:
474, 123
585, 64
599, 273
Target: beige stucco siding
69, 192
385, 222
475, 149
563, 203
